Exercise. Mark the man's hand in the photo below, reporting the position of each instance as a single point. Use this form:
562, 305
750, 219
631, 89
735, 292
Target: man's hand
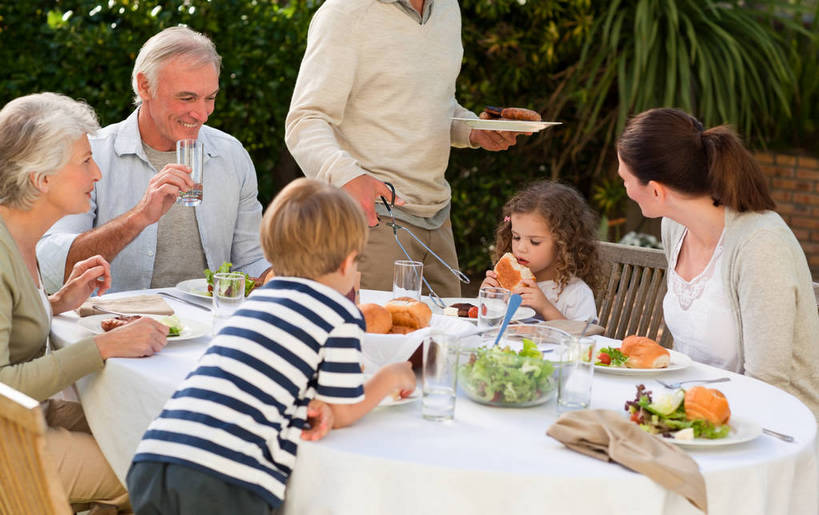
367, 190
85, 277
320, 417
494, 140
163, 190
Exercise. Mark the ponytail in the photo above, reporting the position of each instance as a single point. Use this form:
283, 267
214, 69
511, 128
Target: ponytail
734, 176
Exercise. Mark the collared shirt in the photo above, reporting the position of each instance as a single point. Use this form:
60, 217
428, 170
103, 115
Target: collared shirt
228, 218
407, 7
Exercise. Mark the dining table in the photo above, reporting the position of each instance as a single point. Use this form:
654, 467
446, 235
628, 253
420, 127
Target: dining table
488, 459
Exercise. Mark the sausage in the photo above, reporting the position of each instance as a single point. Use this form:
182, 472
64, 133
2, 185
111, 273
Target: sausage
519, 113
112, 323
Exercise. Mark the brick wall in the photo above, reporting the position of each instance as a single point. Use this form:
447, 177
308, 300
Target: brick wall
794, 183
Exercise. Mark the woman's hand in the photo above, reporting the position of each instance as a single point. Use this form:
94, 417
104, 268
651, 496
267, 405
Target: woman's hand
86, 276
320, 417
143, 337
534, 298
491, 280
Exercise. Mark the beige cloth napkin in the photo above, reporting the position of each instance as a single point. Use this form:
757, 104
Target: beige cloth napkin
148, 304
609, 436
574, 327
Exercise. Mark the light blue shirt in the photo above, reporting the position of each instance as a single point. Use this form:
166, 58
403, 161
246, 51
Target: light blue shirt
228, 218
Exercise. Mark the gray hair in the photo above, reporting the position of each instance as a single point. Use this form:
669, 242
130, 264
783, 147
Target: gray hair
171, 43
37, 135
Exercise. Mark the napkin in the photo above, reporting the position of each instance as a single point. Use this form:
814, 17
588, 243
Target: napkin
148, 304
575, 327
608, 436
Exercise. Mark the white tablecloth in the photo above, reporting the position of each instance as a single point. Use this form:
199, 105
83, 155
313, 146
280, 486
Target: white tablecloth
489, 460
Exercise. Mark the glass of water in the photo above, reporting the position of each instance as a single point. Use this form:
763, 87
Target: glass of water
492, 304
406, 280
228, 295
575, 373
439, 376
191, 153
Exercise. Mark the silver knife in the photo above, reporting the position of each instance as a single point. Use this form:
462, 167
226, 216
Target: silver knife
186, 301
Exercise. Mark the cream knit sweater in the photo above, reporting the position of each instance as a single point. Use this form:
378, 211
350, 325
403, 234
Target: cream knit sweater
375, 94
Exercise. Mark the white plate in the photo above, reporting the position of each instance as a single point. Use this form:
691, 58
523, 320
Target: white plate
390, 401
522, 313
679, 361
195, 287
506, 125
742, 430
190, 328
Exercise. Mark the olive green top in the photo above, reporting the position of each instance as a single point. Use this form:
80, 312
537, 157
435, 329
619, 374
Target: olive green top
24, 327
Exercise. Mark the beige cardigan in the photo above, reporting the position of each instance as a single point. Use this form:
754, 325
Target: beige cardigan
766, 275
24, 327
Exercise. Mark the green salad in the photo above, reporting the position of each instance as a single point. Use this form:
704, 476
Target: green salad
225, 267
502, 376
665, 415
174, 325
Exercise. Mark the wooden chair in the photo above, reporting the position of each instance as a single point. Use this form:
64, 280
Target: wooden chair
632, 301
28, 482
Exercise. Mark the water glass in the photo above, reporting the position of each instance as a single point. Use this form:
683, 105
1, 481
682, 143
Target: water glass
492, 304
228, 295
191, 153
406, 280
439, 376
575, 373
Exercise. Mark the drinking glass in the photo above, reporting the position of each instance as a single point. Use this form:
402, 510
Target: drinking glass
406, 280
191, 152
439, 376
492, 304
575, 373
228, 295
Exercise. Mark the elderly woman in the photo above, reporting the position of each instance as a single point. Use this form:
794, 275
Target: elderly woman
739, 289
46, 172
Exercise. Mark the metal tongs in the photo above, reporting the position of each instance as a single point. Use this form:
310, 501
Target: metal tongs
395, 228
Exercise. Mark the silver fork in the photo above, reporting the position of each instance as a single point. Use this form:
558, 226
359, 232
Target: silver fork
781, 436
97, 307
680, 383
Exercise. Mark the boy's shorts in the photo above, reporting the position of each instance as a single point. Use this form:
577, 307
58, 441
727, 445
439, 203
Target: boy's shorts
168, 488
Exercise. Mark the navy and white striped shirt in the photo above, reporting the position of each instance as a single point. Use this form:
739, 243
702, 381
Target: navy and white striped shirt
240, 413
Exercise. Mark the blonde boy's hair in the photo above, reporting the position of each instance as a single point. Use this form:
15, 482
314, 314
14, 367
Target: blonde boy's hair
310, 228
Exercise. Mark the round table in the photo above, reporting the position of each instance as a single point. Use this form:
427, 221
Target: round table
488, 460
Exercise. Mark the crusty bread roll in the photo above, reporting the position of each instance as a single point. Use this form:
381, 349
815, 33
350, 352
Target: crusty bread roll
644, 352
707, 403
377, 318
511, 273
401, 329
408, 312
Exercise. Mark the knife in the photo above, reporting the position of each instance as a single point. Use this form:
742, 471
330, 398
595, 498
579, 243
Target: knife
186, 301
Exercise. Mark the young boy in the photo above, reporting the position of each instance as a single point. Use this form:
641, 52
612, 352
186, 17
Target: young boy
226, 441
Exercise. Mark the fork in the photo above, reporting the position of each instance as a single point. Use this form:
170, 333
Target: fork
97, 307
680, 383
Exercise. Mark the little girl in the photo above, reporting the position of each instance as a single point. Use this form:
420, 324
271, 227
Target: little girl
550, 229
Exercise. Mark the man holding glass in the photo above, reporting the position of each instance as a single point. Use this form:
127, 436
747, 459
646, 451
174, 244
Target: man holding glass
134, 221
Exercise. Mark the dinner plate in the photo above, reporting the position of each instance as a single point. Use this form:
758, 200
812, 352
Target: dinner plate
522, 313
195, 287
190, 328
506, 125
390, 401
742, 430
679, 361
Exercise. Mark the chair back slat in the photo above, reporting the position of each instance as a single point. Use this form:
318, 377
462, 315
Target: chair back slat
28, 480
632, 300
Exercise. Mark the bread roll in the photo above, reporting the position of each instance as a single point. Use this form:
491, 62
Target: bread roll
644, 352
707, 403
377, 318
511, 273
408, 312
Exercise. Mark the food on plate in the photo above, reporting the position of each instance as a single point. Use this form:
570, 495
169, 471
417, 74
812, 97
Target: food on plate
501, 376
250, 282
635, 352
109, 324
511, 273
462, 309
377, 318
703, 414
509, 113
408, 314
174, 325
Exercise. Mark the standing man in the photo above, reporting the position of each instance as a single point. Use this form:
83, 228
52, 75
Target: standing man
373, 103
134, 222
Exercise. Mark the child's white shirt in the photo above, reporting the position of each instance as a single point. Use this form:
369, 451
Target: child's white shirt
575, 302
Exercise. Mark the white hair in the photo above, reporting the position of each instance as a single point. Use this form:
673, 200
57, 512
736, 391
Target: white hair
171, 43
37, 135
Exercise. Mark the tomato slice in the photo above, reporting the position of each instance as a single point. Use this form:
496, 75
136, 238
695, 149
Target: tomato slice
604, 358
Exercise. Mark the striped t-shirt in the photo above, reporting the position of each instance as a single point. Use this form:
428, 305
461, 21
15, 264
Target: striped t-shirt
240, 413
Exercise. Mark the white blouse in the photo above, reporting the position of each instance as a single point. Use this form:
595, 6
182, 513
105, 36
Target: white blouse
698, 313
575, 302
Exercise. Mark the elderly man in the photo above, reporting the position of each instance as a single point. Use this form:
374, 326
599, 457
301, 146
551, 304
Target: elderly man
134, 222
373, 103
